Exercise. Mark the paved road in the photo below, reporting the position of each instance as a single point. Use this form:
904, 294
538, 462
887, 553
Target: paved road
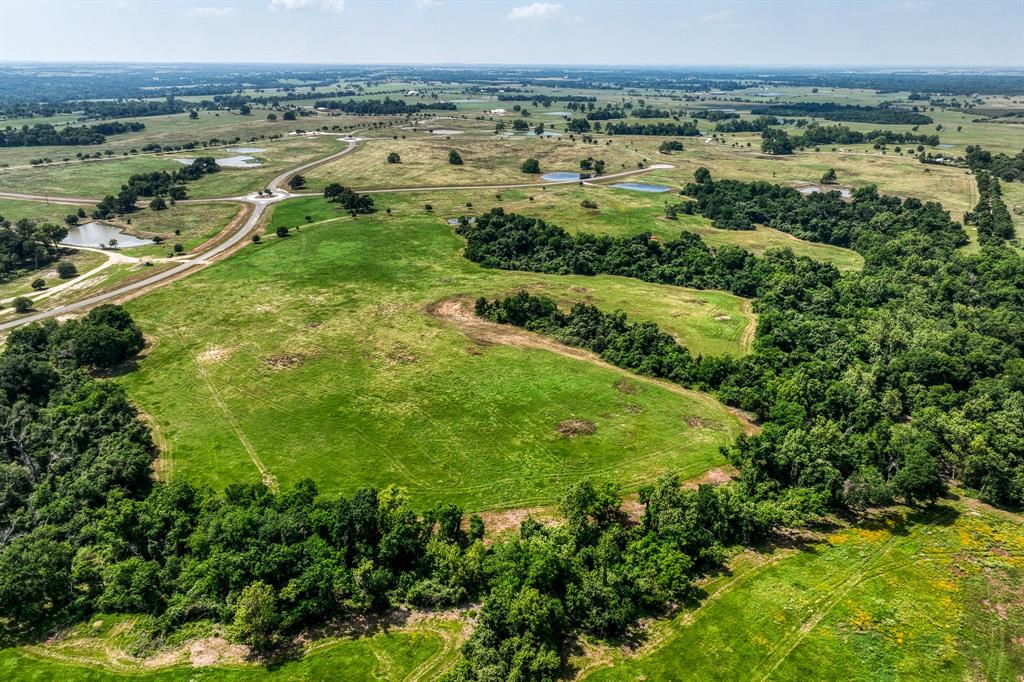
259, 208
259, 204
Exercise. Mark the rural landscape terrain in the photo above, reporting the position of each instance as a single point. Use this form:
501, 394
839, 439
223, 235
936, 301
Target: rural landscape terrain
511, 373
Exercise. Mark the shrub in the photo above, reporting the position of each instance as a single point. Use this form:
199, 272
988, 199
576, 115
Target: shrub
281, 231
454, 158
530, 166
38, 283
393, 157
22, 305
66, 269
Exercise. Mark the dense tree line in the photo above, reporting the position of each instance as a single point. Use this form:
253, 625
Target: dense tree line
351, 201
747, 125
850, 113
871, 386
1003, 166
44, 134
371, 107
778, 141
155, 184
990, 215
713, 115
820, 217
684, 129
543, 100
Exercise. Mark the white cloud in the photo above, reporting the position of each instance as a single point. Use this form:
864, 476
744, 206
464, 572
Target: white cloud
289, 5
538, 10
426, 3
211, 12
716, 17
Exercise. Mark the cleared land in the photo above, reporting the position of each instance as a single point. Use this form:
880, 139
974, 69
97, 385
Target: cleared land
314, 356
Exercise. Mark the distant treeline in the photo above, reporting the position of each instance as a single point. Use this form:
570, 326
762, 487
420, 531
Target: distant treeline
714, 115
778, 141
845, 112
544, 100
748, 125
684, 129
44, 134
377, 107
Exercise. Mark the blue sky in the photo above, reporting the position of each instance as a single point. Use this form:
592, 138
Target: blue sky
868, 32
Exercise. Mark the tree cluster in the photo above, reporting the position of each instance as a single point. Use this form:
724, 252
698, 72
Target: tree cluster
45, 134
849, 113
348, 199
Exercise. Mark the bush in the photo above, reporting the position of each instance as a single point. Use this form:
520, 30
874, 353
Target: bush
281, 231
66, 269
454, 158
393, 157
38, 283
587, 203
22, 305
255, 239
531, 166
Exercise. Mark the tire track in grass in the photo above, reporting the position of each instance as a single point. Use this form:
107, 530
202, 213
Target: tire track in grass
823, 606
266, 476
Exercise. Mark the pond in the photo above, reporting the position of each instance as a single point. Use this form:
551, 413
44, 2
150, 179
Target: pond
96, 235
240, 161
556, 113
246, 150
560, 177
816, 189
446, 131
641, 187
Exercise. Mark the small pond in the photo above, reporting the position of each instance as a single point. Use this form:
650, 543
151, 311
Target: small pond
446, 131
557, 113
240, 161
560, 177
815, 189
246, 150
641, 187
96, 234
455, 221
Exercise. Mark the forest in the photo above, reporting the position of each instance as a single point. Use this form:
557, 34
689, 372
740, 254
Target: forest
850, 113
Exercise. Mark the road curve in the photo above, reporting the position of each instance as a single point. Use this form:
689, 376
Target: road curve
259, 208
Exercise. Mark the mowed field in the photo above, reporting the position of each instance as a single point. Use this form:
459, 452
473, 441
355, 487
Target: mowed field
315, 356
929, 595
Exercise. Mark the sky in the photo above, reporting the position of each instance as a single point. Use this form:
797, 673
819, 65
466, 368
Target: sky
675, 33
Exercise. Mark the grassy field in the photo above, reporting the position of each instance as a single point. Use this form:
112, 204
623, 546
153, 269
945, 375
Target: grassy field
926, 596
487, 160
22, 285
103, 650
93, 179
197, 224
313, 356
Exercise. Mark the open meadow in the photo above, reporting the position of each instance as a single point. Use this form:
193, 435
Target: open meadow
316, 356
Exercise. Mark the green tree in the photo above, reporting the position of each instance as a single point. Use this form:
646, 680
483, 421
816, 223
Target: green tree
296, 182
22, 305
830, 177
393, 157
66, 269
256, 617
454, 158
531, 166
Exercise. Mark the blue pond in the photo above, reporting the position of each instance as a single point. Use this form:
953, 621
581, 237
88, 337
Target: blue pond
560, 177
641, 187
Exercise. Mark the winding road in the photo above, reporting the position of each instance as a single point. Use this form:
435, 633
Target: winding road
259, 204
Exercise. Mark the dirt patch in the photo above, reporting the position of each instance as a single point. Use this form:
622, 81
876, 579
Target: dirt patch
702, 424
626, 386
216, 650
216, 354
283, 361
722, 318
497, 523
402, 357
715, 476
570, 428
